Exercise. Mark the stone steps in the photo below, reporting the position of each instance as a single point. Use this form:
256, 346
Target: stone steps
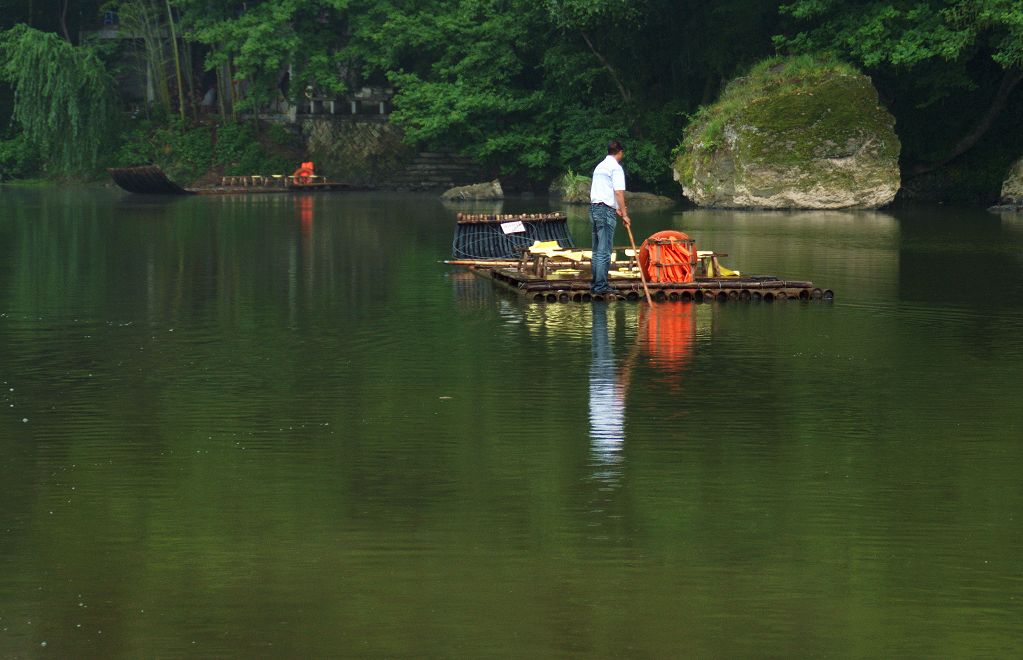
434, 170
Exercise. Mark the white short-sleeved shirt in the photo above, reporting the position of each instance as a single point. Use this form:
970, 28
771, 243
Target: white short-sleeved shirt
608, 177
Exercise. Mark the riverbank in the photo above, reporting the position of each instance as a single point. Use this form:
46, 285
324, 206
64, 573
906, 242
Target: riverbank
201, 155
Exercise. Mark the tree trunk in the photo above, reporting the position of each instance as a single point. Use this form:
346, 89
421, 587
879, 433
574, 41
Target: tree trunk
221, 89
230, 90
626, 96
177, 60
1010, 80
63, 21
193, 99
143, 19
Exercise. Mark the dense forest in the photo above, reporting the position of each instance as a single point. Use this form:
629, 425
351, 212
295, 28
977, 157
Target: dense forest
529, 88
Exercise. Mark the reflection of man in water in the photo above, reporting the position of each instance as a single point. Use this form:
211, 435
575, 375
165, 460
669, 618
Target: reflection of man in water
607, 396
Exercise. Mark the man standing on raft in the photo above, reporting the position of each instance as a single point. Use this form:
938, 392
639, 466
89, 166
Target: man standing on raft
607, 198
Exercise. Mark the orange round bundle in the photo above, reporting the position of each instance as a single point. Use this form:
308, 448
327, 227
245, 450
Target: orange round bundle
667, 257
304, 174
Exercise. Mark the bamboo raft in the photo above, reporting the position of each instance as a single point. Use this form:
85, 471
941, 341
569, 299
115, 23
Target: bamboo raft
553, 289
151, 180
552, 274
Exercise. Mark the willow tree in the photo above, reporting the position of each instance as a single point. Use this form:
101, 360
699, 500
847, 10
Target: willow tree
63, 98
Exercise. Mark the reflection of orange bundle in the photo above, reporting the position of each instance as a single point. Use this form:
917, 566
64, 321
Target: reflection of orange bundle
668, 256
305, 212
670, 331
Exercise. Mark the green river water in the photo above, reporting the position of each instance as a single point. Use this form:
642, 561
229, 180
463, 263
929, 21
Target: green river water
275, 426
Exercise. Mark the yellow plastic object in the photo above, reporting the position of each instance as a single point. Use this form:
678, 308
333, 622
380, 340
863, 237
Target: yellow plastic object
544, 247
725, 272
574, 255
566, 271
713, 268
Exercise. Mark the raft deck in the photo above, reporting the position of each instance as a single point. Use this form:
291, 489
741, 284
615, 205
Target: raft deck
555, 289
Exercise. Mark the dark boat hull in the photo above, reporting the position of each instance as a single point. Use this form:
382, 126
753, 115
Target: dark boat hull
147, 180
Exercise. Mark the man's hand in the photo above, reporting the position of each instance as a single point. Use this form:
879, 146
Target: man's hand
625, 220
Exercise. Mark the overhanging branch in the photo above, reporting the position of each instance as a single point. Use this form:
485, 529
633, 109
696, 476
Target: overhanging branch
626, 96
1010, 80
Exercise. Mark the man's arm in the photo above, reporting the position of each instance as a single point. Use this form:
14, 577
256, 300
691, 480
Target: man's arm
620, 197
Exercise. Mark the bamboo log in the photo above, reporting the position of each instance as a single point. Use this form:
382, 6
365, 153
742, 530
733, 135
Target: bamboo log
177, 59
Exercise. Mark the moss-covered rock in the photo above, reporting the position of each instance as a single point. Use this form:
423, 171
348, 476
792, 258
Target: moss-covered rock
1012, 189
489, 190
794, 133
642, 200
571, 188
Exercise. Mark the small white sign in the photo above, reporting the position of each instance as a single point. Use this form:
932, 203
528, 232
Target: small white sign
513, 227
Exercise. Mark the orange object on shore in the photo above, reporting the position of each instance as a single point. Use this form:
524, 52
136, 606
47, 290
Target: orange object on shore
303, 174
668, 256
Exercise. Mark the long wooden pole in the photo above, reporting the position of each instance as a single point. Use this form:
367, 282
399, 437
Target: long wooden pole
642, 276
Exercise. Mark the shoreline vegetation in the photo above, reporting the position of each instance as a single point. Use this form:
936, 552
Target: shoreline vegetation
528, 91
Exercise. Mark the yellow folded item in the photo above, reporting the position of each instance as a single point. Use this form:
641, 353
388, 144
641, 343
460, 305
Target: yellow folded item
725, 272
574, 255
544, 247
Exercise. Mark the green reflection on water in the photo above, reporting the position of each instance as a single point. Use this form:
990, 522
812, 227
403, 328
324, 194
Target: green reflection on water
276, 426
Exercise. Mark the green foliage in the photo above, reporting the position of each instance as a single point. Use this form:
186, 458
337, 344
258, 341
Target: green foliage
903, 34
522, 86
525, 87
184, 153
938, 63
63, 97
18, 159
483, 93
239, 149
188, 153
147, 20
585, 132
266, 37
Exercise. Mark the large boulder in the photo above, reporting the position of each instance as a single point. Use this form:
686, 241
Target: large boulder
475, 192
575, 189
571, 188
643, 200
1012, 189
794, 133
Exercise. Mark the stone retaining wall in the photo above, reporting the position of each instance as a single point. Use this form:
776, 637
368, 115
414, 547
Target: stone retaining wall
372, 153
